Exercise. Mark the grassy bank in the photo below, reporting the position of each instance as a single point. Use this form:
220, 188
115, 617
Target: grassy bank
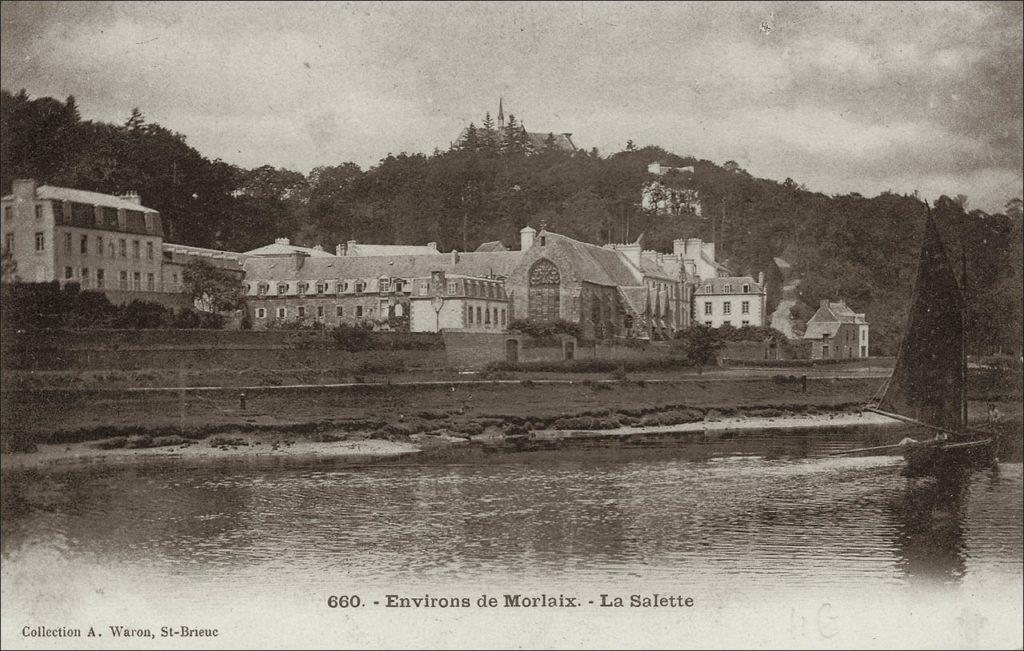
30, 418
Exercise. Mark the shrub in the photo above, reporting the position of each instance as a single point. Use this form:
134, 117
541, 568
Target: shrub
545, 329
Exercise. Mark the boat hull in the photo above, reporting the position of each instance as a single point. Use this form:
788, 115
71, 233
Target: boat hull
944, 458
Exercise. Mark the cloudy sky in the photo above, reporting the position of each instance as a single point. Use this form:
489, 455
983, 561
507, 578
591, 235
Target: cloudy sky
840, 97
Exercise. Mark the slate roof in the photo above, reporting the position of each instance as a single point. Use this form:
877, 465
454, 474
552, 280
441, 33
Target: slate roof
635, 299
56, 193
369, 267
359, 249
736, 282
828, 319
277, 248
594, 264
491, 247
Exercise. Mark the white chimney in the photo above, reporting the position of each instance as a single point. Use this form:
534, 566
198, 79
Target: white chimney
455, 257
24, 189
760, 279
526, 236
678, 246
432, 246
133, 197
318, 247
282, 240
339, 251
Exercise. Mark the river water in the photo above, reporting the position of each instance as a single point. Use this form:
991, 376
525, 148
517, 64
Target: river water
728, 530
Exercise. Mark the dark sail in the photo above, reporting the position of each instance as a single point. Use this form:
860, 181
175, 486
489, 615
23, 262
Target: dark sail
927, 381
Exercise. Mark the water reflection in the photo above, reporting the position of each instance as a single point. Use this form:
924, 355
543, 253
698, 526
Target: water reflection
768, 518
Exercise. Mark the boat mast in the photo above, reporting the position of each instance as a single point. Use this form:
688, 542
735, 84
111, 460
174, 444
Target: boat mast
963, 332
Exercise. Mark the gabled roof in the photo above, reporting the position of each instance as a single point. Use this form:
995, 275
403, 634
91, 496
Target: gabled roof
283, 248
592, 263
829, 317
491, 247
359, 249
56, 193
562, 141
635, 299
404, 266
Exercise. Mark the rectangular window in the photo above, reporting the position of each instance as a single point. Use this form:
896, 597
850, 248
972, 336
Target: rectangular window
746, 323
40, 242
124, 280
745, 307
423, 287
359, 310
707, 323
99, 245
67, 243
320, 311
469, 314
69, 273
707, 308
39, 211
502, 316
99, 279
151, 282
302, 311
746, 289
727, 308
136, 252
112, 250
727, 322
83, 245
137, 278
9, 242
149, 250
451, 289
282, 312
385, 285
340, 311
487, 316
727, 289
8, 212
478, 315
261, 313
85, 277
122, 246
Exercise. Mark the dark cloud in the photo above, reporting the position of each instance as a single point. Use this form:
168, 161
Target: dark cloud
856, 96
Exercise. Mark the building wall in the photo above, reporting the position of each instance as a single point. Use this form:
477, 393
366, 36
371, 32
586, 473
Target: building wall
19, 226
454, 315
115, 259
849, 342
718, 317
264, 311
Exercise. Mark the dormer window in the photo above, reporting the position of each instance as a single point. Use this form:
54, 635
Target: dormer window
262, 289
746, 289
399, 286
282, 289
727, 289
385, 285
360, 287
707, 289
321, 287
302, 288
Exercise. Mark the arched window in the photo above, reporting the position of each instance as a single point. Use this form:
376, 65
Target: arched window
543, 300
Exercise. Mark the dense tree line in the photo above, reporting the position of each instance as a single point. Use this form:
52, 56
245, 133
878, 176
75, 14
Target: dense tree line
495, 181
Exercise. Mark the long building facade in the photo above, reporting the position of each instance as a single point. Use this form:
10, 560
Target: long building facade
102, 242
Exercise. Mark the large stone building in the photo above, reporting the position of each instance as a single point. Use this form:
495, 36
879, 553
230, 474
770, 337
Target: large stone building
837, 332
103, 242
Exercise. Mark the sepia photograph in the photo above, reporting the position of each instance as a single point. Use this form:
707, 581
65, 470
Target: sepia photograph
511, 325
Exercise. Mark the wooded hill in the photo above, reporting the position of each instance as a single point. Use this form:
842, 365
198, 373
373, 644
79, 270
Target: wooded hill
863, 250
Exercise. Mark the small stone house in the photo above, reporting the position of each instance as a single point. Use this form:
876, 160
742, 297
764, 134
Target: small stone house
837, 332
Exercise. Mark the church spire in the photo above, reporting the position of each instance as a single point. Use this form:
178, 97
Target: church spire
501, 112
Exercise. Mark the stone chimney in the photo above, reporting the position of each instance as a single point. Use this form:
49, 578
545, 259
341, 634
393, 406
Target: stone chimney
678, 246
24, 189
132, 196
339, 250
318, 247
824, 303
432, 246
526, 235
692, 248
282, 240
760, 279
455, 257
709, 249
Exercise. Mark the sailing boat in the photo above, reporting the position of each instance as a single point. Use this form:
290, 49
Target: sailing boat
928, 383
